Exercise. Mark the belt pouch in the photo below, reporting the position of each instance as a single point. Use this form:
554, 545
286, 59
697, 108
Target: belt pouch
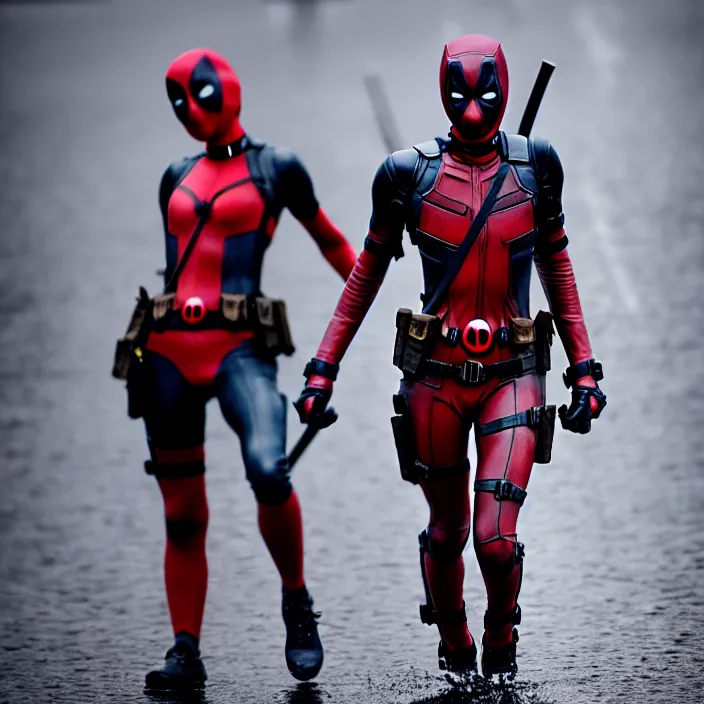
521, 333
233, 307
135, 336
544, 435
268, 318
283, 330
129, 354
405, 440
544, 333
403, 325
416, 337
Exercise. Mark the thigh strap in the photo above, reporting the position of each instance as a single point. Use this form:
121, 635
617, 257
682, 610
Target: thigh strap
502, 489
530, 418
179, 470
429, 473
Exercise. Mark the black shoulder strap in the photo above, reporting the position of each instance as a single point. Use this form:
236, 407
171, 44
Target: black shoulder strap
261, 167
186, 167
173, 281
455, 263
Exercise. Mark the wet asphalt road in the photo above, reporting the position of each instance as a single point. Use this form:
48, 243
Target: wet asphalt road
613, 599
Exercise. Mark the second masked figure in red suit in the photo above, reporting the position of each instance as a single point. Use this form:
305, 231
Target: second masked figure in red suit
475, 357
209, 340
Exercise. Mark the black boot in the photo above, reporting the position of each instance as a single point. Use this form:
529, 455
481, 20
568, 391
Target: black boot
463, 662
183, 669
304, 651
501, 660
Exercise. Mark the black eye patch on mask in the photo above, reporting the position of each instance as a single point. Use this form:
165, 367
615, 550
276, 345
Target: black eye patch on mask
178, 98
457, 83
205, 86
486, 83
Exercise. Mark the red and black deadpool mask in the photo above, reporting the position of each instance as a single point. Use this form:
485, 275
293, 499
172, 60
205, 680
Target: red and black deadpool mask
474, 87
205, 93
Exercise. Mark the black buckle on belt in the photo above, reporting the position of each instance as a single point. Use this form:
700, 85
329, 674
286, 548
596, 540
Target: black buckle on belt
472, 372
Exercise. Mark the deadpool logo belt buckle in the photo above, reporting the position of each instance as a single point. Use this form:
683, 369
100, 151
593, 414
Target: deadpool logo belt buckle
193, 310
477, 337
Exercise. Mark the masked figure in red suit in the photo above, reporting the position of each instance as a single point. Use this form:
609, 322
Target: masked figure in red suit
228, 199
478, 359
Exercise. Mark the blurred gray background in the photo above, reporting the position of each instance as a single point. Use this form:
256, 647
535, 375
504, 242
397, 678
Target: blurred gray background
614, 528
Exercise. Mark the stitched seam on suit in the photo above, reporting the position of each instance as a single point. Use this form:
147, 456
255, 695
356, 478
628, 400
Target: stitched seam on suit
508, 459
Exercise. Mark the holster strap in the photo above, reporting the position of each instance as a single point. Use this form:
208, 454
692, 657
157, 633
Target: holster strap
428, 473
430, 617
498, 620
530, 418
502, 489
474, 372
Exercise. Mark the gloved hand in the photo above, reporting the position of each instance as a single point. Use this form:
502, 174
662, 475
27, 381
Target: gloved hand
314, 398
588, 401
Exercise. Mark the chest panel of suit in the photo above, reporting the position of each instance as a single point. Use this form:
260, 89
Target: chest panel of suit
494, 281
229, 252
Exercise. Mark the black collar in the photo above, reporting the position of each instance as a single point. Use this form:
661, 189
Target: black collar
474, 150
227, 151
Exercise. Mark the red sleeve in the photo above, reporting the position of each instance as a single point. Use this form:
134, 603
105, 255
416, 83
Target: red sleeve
557, 276
356, 299
332, 243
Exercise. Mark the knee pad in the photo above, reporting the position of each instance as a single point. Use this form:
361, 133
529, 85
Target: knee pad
500, 555
270, 481
446, 544
183, 530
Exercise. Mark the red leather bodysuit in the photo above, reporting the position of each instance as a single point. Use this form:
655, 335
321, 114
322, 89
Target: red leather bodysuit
434, 191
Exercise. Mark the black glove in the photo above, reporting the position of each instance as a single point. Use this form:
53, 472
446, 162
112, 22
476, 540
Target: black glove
311, 407
578, 417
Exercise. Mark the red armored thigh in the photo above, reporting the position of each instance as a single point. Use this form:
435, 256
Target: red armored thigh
505, 460
441, 439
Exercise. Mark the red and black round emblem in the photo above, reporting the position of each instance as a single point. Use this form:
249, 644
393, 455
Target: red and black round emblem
194, 310
477, 337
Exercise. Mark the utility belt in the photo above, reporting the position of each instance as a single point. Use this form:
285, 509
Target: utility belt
417, 336
416, 339
265, 317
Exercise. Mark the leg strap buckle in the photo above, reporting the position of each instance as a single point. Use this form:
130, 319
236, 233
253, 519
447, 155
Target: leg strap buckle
530, 418
502, 489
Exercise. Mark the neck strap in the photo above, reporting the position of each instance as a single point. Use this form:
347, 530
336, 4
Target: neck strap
227, 151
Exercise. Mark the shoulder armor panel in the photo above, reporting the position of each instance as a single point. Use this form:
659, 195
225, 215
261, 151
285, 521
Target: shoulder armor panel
515, 148
432, 149
403, 164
